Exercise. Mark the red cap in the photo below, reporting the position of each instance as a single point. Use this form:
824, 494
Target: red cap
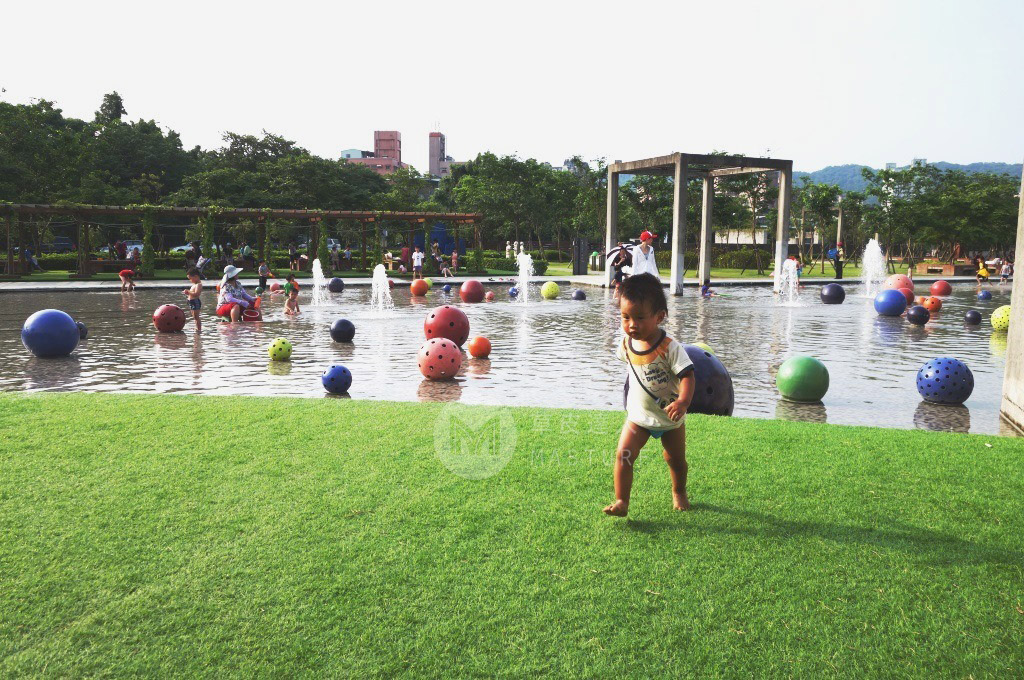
648, 235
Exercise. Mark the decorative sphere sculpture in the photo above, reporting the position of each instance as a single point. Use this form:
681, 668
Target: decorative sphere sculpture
169, 318
450, 323
418, 287
1001, 318
275, 286
489, 296
550, 290
941, 287
280, 349
472, 291
945, 380
802, 378
430, 282
579, 294
890, 302
479, 347
337, 379
713, 392
907, 293
932, 304
832, 294
972, 317
985, 295
50, 333
342, 330
897, 281
83, 330
704, 346
335, 285
918, 315
513, 292
447, 288
391, 283
439, 359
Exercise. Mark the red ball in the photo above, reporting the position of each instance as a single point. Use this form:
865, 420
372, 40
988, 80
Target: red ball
447, 322
909, 294
391, 284
941, 288
439, 359
932, 304
275, 286
479, 347
169, 318
489, 296
897, 281
418, 287
472, 291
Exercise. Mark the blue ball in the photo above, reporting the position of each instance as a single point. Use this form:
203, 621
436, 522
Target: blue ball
447, 288
342, 330
335, 285
918, 315
832, 294
337, 379
972, 317
713, 392
50, 333
890, 302
945, 380
578, 294
83, 330
985, 295
513, 292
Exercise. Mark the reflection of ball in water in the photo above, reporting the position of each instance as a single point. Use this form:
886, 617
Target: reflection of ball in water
802, 378
997, 343
280, 349
1001, 318
550, 290
945, 380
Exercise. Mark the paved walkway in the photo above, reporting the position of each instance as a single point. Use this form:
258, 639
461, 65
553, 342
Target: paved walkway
30, 286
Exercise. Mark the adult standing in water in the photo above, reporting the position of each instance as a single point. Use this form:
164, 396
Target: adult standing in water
643, 256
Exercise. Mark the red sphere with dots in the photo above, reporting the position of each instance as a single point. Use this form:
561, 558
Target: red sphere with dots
169, 318
439, 359
472, 291
447, 322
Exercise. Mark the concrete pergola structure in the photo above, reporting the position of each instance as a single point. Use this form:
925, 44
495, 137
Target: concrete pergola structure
1012, 406
682, 167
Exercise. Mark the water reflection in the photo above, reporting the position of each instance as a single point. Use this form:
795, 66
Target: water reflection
439, 390
942, 417
791, 410
279, 367
60, 373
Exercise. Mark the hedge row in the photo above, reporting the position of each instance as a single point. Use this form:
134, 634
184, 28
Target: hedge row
509, 265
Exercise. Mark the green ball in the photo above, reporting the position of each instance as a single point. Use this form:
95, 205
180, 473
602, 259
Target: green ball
1001, 318
430, 284
802, 378
280, 349
550, 290
704, 346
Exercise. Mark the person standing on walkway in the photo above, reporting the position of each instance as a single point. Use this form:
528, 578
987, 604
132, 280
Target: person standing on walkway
643, 256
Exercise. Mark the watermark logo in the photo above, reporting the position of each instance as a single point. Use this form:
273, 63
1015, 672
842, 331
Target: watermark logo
474, 442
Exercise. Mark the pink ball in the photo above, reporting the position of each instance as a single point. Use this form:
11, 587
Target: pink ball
439, 359
489, 296
897, 281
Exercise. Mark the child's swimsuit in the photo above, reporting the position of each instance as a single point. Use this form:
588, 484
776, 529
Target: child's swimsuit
195, 303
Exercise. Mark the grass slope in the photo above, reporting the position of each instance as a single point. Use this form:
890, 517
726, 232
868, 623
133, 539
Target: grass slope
202, 536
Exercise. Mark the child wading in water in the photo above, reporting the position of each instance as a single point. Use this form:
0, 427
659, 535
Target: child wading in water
193, 294
127, 277
291, 289
659, 388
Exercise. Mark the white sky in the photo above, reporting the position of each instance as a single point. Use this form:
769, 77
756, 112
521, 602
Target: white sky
822, 83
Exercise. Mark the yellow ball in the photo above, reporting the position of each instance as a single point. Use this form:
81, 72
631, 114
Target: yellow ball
704, 346
550, 290
1001, 318
430, 284
280, 349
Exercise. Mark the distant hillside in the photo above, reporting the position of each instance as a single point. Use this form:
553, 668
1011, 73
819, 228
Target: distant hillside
848, 177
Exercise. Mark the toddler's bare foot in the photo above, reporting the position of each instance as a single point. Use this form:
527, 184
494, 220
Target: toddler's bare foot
680, 501
617, 509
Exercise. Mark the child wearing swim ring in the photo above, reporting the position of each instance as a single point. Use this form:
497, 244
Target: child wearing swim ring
659, 387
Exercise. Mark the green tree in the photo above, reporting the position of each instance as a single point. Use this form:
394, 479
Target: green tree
111, 109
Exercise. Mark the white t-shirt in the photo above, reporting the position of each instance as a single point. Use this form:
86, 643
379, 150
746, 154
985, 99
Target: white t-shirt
659, 370
644, 263
417, 259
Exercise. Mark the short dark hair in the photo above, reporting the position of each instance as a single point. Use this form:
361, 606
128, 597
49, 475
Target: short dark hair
192, 272
644, 288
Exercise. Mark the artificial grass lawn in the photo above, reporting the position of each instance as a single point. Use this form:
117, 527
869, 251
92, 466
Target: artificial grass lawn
208, 536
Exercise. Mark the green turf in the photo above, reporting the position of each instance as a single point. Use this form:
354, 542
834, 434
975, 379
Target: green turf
200, 536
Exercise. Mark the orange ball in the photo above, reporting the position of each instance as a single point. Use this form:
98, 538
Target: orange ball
932, 304
418, 287
479, 347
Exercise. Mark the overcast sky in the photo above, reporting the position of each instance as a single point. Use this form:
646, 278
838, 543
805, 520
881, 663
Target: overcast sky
822, 83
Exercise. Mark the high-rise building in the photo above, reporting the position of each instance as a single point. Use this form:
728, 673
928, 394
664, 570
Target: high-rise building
437, 153
386, 156
388, 144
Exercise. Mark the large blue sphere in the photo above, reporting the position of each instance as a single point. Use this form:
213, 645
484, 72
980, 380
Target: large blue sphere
945, 380
832, 294
918, 315
712, 391
337, 379
342, 330
50, 333
985, 295
335, 285
890, 302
